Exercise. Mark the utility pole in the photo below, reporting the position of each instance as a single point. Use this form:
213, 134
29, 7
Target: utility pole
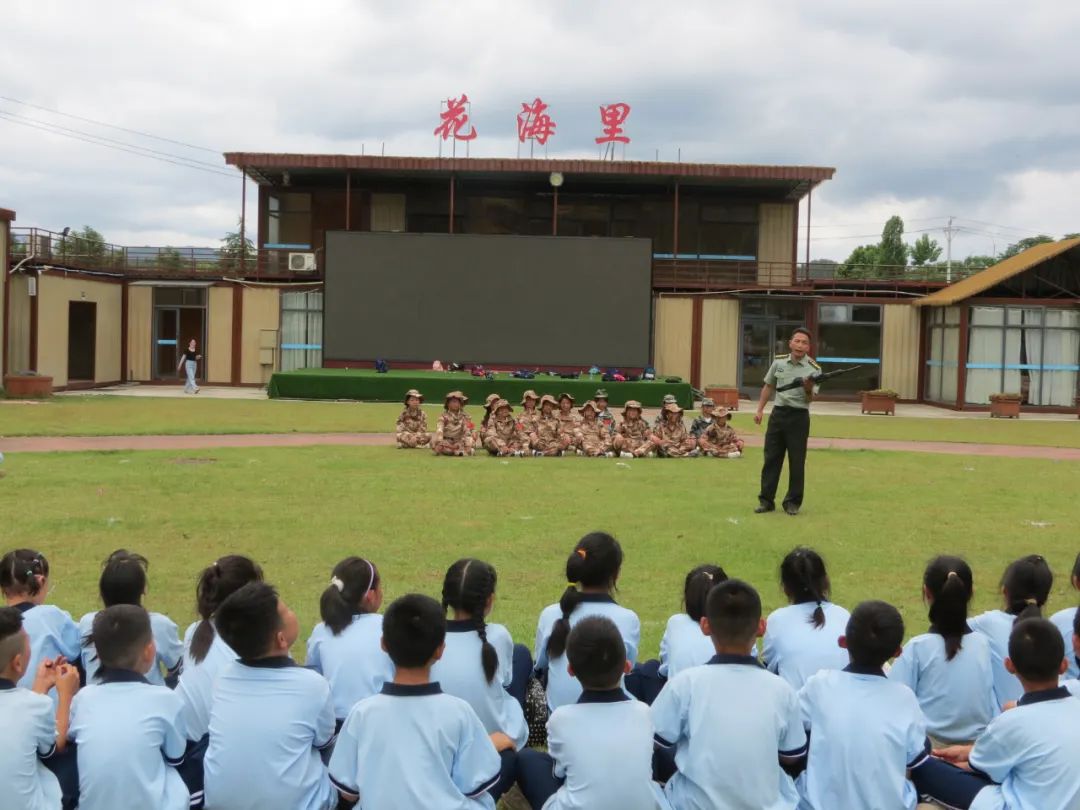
948, 250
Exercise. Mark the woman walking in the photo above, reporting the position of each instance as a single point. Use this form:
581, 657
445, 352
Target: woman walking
189, 361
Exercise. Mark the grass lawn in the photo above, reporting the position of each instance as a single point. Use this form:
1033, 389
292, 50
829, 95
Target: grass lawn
877, 517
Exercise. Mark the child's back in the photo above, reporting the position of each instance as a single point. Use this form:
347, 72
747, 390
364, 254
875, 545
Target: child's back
794, 648
352, 661
29, 737
683, 645
1063, 621
166, 638
197, 679
996, 625
52, 633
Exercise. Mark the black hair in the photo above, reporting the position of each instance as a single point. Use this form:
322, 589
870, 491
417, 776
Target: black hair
248, 619
216, 583
949, 582
19, 570
696, 588
1076, 622
734, 611
11, 622
1027, 583
874, 633
123, 578
414, 627
1076, 572
594, 563
351, 580
119, 634
802, 330
805, 579
596, 653
467, 586
1036, 649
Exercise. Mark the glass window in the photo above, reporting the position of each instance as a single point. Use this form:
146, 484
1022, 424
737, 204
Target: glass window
289, 219
842, 341
943, 342
301, 330
782, 309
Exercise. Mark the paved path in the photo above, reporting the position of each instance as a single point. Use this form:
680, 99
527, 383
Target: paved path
44, 444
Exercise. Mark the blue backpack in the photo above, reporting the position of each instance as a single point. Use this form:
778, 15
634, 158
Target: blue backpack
381, 366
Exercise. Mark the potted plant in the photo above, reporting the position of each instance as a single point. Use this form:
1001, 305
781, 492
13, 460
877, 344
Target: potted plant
1005, 405
27, 384
880, 400
725, 395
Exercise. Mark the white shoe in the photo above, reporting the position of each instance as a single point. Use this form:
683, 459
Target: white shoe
693, 454
651, 454
610, 454
580, 452
734, 454
624, 454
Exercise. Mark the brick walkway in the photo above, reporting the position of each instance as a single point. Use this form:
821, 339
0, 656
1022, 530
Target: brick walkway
46, 444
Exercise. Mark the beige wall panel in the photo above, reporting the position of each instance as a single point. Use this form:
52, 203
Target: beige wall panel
776, 243
900, 349
19, 325
219, 335
139, 337
671, 337
4, 232
261, 311
719, 342
388, 212
54, 294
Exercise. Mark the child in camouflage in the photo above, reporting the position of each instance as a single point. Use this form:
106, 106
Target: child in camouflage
412, 427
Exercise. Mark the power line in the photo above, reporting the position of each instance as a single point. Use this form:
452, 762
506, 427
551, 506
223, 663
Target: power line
1003, 227
110, 126
870, 235
868, 224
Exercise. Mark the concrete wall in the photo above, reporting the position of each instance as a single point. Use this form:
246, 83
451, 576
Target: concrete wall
672, 332
776, 244
54, 294
219, 335
139, 336
719, 342
261, 311
900, 349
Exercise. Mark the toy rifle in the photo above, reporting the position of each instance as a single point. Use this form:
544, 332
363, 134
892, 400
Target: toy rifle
817, 378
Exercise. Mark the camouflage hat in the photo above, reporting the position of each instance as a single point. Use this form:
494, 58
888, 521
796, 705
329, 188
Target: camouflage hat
458, 395
589, 404
530, 394
722, 413
708, 402
489, 399
669, 399
601, 393
548, 398
565, 395
673, 407
501, 403
412, 392
631, 403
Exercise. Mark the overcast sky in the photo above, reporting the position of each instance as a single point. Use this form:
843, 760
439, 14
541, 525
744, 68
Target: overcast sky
969, 108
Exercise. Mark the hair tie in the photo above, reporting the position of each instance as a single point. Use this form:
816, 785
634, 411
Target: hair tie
952, 575
1031, 601
337, 583
371, 580
708, 575
581, 553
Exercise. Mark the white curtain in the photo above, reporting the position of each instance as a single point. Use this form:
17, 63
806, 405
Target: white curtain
933, 371
301, 325
1060, 356
984, 348
949, 359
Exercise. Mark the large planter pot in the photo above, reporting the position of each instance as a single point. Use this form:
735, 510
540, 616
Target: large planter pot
25, 386
1005, 408
878, 403
724, 396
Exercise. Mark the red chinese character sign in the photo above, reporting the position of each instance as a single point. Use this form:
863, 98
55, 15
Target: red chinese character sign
533, 123
613, 116
454, 123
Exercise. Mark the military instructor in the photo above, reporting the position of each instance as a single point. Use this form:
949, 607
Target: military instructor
789, 423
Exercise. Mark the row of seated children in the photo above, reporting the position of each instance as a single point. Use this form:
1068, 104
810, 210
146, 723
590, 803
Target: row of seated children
552, 427
252, 729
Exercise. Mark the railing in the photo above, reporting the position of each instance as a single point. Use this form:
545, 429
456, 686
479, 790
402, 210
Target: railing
75, 251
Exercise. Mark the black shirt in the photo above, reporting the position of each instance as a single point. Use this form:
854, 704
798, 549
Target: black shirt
189, 355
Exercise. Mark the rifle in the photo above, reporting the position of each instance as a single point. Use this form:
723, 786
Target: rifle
817, 378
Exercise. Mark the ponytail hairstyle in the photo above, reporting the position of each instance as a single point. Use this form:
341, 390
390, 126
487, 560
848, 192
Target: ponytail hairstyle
19, 572
216, 583
1026, 584
466, 588
948, 581
123, 578
350, 582
805, 579
594, 563
1076, 573
696, 589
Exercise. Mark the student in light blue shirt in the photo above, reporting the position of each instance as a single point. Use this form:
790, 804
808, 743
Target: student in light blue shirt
270, 717
594, 564
1025, 587
123, 582
800, 639
599, 748
477, 664
949, 669
1063, 620
733, 724
412, 745
344, 647
1027, 757
127, 730
31, 726
24, 580
866, 732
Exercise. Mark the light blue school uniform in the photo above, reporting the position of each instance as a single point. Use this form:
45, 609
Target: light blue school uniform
1072, 685
683, 645
1063, 620
196, 684
170, 651
729, 721
794, 649
52, 632
29, 737
460, 673
353, 661
414, 746
602, 746
997, 626
269, 720
129, 744
562, 689
1031, 752
865, 733
957, 696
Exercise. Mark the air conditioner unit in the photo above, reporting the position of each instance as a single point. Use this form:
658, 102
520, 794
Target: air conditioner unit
302, 262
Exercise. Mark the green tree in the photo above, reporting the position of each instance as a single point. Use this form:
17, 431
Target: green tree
925, 251
1025, 244
169, 258
233, 247
1071, 236
862, 263
892, 252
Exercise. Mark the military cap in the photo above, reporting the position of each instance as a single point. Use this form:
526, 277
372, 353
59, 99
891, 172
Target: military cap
412, 392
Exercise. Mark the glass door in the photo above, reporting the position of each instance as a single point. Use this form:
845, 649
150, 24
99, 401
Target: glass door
762, 340
166, 343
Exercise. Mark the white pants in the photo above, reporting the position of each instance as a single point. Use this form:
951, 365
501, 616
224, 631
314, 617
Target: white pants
190, 386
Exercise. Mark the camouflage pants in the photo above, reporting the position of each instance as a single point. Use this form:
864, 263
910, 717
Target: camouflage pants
410, 440
501, 447
593, 447
454, 447
674, 449
719, 450
639, 447
551, 447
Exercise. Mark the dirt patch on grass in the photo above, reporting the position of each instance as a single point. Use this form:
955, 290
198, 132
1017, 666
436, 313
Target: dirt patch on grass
194, 460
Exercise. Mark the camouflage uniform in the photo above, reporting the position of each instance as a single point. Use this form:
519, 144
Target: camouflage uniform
454, 431
528, 417
570, 420
605, 416
672, 440
412, 428
702, 422
503, 435
547, 437
669, 399
592, 437
633, 436
719, 440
